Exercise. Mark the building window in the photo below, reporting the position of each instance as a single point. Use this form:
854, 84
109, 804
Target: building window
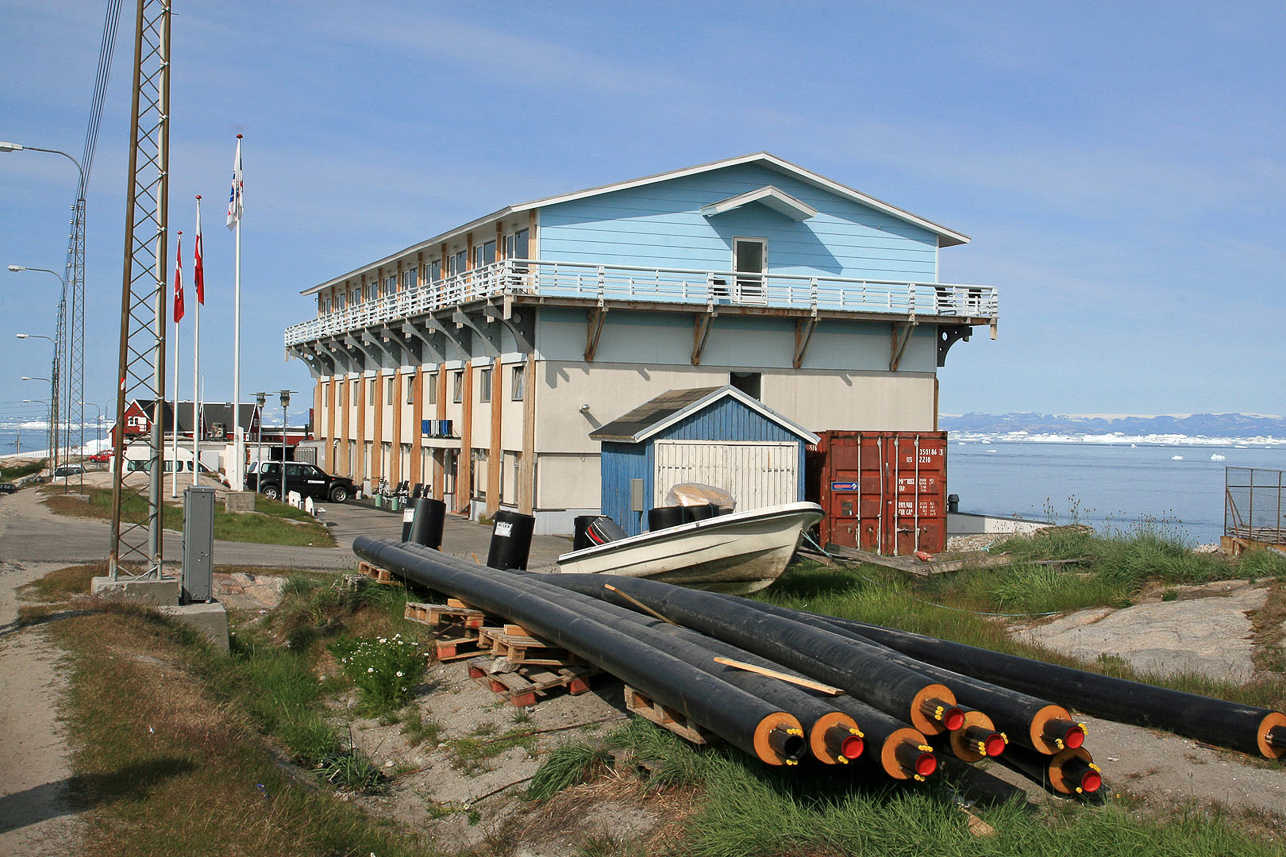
433, 271
516, 245
484, 254
410, 278
390, 284
409, 383
339, 394
484, 385
458, 263
750, 383
478, 475
370, 393
388, 392
339, 301
354, 297
431, 388
356, 390
517, 380
457, 386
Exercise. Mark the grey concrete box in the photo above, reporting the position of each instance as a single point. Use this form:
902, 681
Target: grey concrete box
198, 544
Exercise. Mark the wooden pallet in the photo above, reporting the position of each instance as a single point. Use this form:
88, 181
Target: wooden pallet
443, 614
525, 686
377, 574
523, 648
456, 648
666, 717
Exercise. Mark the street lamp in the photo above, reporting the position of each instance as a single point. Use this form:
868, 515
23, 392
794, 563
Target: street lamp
54, 374
53, 393
285, 404
98, 425
260, 399
76, 270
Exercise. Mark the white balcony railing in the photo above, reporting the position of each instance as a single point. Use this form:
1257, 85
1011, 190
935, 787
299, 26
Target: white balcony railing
659, 285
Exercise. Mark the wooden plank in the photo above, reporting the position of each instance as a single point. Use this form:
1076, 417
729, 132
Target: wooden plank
525, 685
517, 631
781, 676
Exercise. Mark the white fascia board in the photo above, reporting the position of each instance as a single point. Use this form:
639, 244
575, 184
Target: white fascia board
512, 357
773, 197
407, 370
388, 371
746, 399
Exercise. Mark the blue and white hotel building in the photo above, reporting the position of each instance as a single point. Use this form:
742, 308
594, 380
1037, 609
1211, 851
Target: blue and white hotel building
479, 361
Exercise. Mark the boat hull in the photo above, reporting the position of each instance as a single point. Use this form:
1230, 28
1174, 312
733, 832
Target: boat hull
739, 553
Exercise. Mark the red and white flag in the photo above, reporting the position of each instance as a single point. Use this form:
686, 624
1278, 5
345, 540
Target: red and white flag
178, 281
198, 270
235, 198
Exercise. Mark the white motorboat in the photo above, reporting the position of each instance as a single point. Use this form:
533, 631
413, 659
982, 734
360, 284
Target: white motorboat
736, 553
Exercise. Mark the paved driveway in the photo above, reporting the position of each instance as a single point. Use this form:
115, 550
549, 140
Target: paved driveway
29, 532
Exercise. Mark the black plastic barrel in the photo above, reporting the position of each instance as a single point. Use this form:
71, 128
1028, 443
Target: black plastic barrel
664, 516
510, 540
580, 524
427, 524
698, 513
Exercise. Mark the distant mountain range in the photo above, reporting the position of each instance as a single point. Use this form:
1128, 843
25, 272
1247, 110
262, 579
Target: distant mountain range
1193, 425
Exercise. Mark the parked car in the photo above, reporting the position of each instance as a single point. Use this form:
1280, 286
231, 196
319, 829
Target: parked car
64, 470
101, 457
308, 479
7, 487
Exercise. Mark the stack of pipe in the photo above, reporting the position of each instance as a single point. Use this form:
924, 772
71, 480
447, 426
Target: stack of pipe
783, 684
776, 688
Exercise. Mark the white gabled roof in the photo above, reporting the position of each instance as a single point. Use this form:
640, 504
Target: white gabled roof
946, 237
775, 198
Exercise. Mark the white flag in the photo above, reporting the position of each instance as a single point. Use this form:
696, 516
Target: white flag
235, 198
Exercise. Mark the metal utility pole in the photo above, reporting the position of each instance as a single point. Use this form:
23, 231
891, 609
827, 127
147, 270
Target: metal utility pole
136, 538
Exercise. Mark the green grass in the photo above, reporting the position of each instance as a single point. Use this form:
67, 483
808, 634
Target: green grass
470, 753
272, 522
748, 810
17, 471
169, 760
566, 766
1109, 572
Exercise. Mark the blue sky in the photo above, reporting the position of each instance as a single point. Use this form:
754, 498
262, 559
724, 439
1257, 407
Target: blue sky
1121, 168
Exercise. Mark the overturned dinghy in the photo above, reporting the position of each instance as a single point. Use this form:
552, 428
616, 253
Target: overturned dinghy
737, 553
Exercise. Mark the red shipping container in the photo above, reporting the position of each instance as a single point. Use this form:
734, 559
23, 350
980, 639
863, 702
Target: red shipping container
883, 492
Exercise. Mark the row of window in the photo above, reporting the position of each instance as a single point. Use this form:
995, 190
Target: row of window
517, 387
515, 247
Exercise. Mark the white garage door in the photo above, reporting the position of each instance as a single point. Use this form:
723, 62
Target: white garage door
757, 474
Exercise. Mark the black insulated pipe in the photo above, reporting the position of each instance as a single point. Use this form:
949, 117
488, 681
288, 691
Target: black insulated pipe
740, 718
1021, 716
1216, 721
844, 742
857, 666
813, 710
428, 522
917, 761
788, 742
1070, 772
948, 715
1065, 733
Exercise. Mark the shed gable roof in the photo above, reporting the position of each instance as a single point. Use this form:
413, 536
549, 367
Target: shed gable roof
658, 414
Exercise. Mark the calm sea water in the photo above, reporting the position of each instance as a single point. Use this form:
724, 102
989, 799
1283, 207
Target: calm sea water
1107, 486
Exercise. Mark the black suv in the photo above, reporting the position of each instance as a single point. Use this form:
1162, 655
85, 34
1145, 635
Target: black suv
309, 480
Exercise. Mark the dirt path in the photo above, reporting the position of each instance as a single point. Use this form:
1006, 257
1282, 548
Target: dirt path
36, 817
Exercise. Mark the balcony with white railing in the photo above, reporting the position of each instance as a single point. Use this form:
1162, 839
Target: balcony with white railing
522, 278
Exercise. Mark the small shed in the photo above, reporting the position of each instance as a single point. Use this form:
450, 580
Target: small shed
718, 436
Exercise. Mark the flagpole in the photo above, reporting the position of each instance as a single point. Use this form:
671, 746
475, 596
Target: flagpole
238, 479
177, 316
197, 279
174, 473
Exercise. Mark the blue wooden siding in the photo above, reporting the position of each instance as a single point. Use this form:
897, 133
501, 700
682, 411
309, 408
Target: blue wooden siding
726, 419
659, 225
